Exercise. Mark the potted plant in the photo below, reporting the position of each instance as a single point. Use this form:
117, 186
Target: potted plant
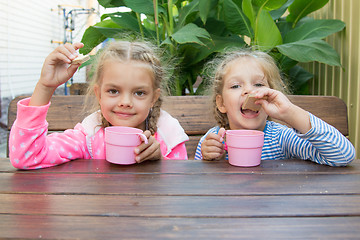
193, 31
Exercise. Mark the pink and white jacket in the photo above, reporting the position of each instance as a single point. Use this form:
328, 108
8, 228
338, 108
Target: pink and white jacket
30, 147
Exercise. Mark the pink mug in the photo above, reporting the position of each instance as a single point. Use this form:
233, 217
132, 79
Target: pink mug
244, 147
120, 143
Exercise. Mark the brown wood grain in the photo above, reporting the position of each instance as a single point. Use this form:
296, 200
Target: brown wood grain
289, 166
217, 184
180, 206
83, 227
93, 199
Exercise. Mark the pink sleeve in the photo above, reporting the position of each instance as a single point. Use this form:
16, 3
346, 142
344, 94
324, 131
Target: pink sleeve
30, 147
178, 153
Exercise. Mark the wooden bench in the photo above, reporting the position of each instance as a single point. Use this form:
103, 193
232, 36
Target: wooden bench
193, 113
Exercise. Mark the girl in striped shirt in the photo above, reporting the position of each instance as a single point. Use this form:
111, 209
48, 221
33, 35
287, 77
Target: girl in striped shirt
245, 72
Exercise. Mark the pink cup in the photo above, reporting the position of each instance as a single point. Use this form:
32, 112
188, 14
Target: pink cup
244, 147
120, 143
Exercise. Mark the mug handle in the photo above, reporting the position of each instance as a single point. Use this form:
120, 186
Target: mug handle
143, 137
225, 145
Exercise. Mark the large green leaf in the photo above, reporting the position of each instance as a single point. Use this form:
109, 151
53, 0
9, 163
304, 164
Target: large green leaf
300, 8
299, 76
129, 21
314, 29
204, 8
248, 9
298, 80
216, 27
126, 20
267, 34
218, 44
235, 19
141, 6
278, 13
96, 34
269, 5
111, 3
309, 50
185, 12
190, 33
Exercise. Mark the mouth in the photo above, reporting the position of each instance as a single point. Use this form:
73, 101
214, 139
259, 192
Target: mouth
124, 114
247, 113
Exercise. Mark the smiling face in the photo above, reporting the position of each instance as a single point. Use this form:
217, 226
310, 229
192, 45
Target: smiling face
126, 93
242, 76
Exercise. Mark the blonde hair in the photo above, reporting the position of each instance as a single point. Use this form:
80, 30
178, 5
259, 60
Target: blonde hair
219, 64
124, 51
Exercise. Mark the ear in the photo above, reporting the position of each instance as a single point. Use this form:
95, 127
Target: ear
220, 104
97, 92
157, 93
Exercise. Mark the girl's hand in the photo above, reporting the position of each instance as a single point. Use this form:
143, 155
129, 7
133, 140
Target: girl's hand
56, 70
150, 151
212, 147
278, 106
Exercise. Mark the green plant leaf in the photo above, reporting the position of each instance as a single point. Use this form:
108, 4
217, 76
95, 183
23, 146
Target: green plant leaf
129, 21
314, 29
126, 20
278, 13
96, 34
298, 80
185, 12
235, 19
143, 6
248, 9
204, 8
216, 27
218, 44
299, 76
111, 3
267, 34
269, 5
300, 8
309, 50
190, 33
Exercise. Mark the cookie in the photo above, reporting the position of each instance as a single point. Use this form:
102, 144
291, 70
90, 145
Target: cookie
250, 103
80, 59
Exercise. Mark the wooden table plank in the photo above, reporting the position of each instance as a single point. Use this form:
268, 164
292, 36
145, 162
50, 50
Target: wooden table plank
180, 206
179, 200
293, 166
179, 184
74, 227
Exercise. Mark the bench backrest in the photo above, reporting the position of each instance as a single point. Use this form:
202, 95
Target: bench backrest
193, 113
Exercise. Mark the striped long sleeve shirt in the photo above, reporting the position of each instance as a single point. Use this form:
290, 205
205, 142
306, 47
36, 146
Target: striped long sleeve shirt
322, 144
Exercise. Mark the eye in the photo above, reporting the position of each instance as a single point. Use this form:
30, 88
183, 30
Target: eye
235, 86
259, 84
140, 93
113, 91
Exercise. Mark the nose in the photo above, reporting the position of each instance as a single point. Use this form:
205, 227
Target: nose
125, 100
247, 88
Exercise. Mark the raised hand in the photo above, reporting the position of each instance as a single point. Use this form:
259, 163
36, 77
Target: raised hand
56, 70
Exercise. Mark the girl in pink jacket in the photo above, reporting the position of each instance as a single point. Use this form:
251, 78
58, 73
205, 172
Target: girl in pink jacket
126, 84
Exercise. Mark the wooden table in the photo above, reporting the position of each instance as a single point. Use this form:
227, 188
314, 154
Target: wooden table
93, 199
